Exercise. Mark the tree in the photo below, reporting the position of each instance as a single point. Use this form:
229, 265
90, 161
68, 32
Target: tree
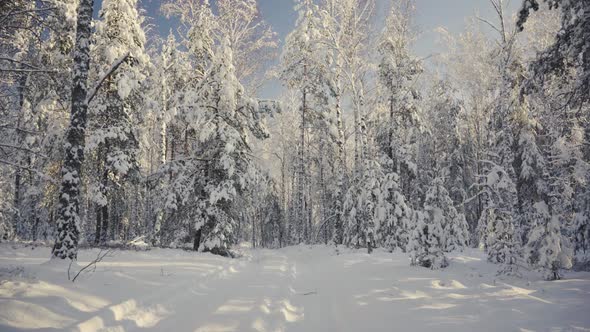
231, 117
68, 219
36, 39
502, 241
549, 246
474, 74
497, 221
427, 239
364, 209
345, 35
547, 249
558, 78
569, 51
532, 176
251, 39
398, 70
302, 69
209, 180
115, 113
169, 76
442, 149
581, 230
455, 232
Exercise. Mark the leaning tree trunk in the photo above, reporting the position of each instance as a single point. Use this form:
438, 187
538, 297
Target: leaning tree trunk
68, 220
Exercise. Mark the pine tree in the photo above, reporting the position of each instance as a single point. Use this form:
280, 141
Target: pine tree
570, 49
232, 117
395, 215
364, 209
115, 112
552, 250
501, 239
442, 153
68, 219
545, 245
502, 236
207, 184
559, 73
398, 69
427, 239
455, 232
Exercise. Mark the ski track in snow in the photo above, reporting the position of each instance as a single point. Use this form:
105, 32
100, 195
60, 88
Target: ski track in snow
298, 288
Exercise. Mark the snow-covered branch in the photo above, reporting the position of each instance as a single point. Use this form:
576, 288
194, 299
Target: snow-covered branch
106, 75
22, 148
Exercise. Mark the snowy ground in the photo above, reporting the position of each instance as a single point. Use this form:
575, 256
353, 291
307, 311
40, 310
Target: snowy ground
292, 289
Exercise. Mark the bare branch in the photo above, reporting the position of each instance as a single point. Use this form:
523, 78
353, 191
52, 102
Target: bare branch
101, 255
490, 24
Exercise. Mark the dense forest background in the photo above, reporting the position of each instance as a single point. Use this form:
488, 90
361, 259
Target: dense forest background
108, 136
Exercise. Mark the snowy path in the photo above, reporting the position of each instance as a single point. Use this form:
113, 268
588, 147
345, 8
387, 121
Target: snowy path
293, 289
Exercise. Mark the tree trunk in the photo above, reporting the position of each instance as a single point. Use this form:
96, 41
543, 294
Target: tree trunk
341, 166
35, 226
163, 143
17, 199
104, 210
253, 233
285, 216
20, 141
105, 223
301, 208
197, 241
68, 219
97, 234
391, 131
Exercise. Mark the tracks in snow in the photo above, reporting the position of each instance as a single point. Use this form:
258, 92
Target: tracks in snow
247, 294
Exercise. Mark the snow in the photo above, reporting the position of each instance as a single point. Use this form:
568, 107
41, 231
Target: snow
299, 288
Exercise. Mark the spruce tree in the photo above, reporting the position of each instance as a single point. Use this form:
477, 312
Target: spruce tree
427, 238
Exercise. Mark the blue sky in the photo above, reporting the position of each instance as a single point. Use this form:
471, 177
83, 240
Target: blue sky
430, 14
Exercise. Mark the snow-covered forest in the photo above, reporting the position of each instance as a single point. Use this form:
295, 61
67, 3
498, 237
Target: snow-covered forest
114, 137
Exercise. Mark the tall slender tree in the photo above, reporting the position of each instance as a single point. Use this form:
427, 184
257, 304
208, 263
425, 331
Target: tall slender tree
68, 219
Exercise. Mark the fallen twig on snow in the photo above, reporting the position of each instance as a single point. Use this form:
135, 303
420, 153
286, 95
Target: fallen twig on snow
308, 293
101, 255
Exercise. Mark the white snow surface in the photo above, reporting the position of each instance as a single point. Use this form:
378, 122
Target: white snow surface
301, 288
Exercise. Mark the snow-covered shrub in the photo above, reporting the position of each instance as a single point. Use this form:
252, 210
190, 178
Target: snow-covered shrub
425, 245
6, 231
